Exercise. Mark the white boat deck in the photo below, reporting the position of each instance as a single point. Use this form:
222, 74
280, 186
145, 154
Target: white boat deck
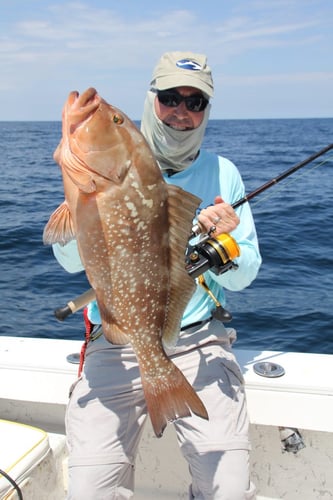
38, 377
37, 371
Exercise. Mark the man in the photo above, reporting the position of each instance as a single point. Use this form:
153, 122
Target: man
107, 409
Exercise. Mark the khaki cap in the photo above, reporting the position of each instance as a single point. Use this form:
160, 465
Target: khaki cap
183, 69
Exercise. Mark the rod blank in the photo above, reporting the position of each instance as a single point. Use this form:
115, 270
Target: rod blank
282, 176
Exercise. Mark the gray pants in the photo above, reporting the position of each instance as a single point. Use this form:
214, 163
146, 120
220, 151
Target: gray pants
107, 411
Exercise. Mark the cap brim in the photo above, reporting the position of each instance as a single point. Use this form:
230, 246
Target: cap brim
171, 81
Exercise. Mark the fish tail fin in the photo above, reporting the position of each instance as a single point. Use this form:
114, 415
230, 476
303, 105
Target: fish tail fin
169, 398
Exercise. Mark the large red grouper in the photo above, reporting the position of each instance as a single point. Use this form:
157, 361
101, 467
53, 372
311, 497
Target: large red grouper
131, 229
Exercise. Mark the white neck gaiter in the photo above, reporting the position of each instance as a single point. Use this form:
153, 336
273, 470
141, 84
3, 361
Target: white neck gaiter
173, 149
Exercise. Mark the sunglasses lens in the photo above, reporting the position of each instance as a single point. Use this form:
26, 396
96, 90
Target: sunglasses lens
194, 103
169, 99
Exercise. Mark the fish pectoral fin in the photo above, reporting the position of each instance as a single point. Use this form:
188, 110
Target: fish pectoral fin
60, 227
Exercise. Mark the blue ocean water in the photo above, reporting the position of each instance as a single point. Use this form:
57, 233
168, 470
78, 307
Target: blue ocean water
288, 307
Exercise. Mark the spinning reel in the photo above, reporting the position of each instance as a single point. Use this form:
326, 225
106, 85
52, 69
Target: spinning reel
215, 253
207, 252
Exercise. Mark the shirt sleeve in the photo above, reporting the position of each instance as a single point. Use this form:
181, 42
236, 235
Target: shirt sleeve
68, 256
245, 235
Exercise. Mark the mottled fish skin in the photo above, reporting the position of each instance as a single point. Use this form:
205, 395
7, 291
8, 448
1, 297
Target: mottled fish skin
132, 229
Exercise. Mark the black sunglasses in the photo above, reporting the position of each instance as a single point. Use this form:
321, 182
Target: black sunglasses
172, 99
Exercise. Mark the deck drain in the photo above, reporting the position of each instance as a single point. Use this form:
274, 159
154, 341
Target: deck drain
268, 369
73, 358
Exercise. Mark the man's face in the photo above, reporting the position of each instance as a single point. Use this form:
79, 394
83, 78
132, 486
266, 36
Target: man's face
179, 118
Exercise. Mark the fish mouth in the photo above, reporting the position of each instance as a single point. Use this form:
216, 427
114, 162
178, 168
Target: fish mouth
80, 107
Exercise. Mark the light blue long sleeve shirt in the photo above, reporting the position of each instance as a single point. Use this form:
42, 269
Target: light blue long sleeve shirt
207, 177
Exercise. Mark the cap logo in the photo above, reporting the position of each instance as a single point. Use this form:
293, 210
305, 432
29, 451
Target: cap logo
188, 64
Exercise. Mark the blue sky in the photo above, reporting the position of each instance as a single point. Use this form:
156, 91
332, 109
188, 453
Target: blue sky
270, 58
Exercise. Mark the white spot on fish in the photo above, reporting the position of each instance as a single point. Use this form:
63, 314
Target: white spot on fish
141, 226
149, 203
130, 205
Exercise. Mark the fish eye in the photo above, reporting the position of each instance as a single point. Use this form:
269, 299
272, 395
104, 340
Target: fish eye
118, 119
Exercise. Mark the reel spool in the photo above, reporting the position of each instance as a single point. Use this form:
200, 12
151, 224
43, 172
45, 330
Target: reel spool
216, 254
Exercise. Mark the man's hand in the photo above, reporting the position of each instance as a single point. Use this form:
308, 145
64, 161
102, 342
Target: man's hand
221, 215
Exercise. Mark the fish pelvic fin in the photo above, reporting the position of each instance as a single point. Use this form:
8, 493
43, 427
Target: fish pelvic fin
169, 398
60, 227
182, 285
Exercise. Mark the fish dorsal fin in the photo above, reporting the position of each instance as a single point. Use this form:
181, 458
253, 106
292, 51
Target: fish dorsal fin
60, 228
181, 207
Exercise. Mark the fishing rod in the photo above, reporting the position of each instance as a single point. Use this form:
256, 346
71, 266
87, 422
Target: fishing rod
282, 176
74, 305
196, 230
212, 253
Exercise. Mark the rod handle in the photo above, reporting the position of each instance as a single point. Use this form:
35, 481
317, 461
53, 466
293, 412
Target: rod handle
74, 305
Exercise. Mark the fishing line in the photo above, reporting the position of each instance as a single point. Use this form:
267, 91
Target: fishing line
282, 176
300, 175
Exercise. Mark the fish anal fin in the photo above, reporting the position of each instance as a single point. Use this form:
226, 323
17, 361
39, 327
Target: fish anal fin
111, 331
169, 398
60, 227
182, 285
114, 335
